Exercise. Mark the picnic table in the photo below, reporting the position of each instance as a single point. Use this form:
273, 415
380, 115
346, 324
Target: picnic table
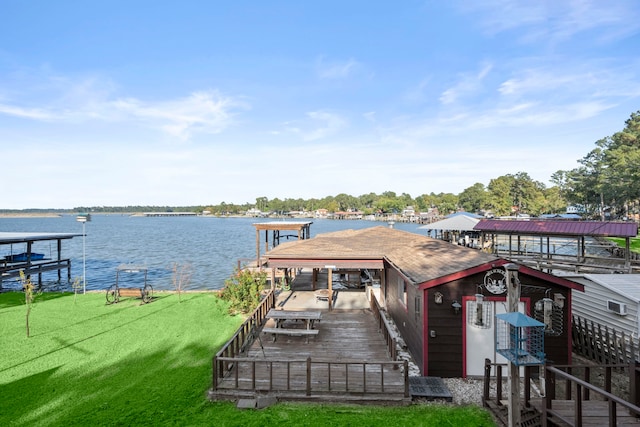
282, 316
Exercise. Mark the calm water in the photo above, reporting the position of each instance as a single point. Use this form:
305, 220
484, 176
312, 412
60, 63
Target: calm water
212, 246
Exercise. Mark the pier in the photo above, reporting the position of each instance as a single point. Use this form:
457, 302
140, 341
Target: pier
10, 268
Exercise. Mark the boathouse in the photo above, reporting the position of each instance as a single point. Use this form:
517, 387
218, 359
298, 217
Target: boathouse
28, 261
443, 298
577, 246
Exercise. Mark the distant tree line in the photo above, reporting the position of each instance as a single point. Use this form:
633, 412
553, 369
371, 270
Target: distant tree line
607, 182
605, 185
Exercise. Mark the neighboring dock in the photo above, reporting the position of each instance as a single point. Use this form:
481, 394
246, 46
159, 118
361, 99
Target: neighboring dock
152, 214
30, 267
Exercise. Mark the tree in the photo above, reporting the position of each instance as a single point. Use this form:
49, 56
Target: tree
517, 193
609, 175
181, 278
554, 202
30, 295
473, 199
262, 203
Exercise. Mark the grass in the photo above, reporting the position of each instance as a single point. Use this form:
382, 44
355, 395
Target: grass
88, 363
634, 243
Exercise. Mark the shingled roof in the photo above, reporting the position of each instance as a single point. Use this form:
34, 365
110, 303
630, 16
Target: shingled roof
418, 258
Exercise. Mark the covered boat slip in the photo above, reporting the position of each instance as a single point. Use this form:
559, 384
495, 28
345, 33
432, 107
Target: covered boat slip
302, 229
577, 246
11, 266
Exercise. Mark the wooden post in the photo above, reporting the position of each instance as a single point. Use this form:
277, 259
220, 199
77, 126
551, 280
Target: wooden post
487, 380
634, 383
330, 286
330, 269
59, 258
214, 379
513, 297
308, 376
527, 386
257, 248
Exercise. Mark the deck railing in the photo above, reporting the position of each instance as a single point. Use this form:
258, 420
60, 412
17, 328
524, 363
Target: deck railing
497, 399
244, 336
305, 375
318, 376
8, 271
572, 387
579, 390
383, 326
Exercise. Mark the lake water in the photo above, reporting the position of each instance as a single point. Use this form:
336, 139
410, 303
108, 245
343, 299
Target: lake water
211, 245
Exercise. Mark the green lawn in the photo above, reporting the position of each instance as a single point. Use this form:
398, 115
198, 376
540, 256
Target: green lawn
634, 243
88, 363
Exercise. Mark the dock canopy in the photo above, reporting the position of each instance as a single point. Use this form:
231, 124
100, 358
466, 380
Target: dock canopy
559, 227
30, 264
302, 229
7, 237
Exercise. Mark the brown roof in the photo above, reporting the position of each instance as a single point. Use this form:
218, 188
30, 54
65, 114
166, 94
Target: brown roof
419, 258
559, 228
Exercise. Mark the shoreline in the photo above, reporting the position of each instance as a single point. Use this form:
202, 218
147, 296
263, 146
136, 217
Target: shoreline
30, 215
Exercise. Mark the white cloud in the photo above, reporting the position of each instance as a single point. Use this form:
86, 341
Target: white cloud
67, 101
319, 125
468, 84
554, 21
26, 113
206, 112
336, 69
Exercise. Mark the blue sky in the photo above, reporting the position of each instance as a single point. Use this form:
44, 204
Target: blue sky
201, 102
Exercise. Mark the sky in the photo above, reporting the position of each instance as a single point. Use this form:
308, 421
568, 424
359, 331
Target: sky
189, 103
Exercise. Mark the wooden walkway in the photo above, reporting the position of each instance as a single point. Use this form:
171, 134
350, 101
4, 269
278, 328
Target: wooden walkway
347, 361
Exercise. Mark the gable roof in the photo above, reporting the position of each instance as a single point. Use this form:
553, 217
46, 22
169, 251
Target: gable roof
420, 259
559, 227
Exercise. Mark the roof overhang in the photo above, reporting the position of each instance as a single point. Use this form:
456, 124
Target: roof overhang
499, 263
351, 264
282, 225
17, 237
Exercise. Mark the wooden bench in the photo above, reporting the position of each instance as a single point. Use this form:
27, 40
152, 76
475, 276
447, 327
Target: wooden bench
114, 293
291, 332
130, 292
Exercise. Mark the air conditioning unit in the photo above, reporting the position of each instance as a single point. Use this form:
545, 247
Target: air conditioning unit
617, 307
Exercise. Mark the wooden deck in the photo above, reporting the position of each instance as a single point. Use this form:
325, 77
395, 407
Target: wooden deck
347, 361
594, 413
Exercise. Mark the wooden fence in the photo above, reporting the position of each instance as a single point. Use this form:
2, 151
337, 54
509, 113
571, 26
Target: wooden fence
602, 344
244, 336
305, 376
384, 327
581, 404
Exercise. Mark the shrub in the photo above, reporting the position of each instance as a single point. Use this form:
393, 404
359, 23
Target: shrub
243, 290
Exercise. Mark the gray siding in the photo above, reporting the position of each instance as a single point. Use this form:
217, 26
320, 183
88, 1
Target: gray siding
592, 305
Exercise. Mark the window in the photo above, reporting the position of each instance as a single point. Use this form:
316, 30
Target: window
418, 306
402, 291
